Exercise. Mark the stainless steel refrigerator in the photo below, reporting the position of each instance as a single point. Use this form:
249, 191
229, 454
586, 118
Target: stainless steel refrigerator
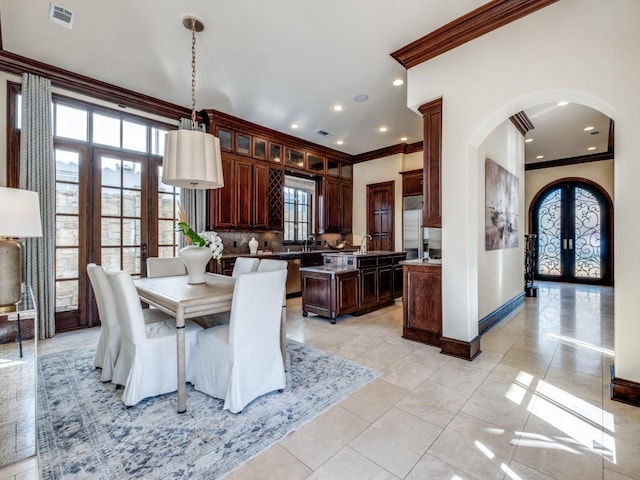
412, 231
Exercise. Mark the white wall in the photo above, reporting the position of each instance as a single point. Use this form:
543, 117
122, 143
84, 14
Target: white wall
375, 171
413, 161
598, 172
500, 272
582, 51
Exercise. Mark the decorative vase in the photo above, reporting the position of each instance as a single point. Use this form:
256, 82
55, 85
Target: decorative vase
253, 246
196, 259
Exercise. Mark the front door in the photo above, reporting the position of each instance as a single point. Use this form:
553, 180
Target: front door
380, 215
572, 220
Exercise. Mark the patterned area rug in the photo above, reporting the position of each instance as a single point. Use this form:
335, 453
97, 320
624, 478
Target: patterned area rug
84, 430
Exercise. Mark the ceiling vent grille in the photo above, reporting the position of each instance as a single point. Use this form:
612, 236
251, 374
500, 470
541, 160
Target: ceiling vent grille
595, 132
323, 133
61, 15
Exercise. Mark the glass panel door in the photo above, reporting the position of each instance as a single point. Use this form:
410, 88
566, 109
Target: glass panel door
123, 213
71, 236
572, 224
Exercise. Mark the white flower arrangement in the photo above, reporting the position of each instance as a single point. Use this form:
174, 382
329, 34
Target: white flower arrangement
214, 242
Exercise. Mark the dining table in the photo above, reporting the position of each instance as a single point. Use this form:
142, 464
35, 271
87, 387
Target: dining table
176, 297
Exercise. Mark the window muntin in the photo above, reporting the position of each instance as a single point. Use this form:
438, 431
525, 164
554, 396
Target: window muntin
297, 214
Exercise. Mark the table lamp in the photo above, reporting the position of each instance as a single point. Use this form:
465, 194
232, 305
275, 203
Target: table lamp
19, 218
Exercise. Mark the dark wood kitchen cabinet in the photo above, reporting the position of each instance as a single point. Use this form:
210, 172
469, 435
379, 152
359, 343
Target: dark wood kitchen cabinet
432, 125
377, 279
329, 293
222, 204
242, 202
412, 183
422, 303
337, 206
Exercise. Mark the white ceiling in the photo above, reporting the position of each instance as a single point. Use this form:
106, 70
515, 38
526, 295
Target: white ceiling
559, 132
271, 62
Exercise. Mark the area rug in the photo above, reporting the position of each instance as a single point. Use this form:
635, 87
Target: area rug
84, 430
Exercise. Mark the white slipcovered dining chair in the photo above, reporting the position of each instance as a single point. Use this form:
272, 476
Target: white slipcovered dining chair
147, 363
244, 265
109, 342
267, 265
240, 361
165, 266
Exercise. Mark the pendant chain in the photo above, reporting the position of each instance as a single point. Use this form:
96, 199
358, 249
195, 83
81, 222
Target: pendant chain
193, 74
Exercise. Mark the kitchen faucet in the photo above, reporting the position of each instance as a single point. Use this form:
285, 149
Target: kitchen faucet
306, 247
363, 243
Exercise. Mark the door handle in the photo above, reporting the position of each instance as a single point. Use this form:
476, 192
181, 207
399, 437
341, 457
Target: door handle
571, 244
564, 243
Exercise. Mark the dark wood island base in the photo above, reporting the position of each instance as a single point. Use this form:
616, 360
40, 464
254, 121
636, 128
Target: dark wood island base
351, 284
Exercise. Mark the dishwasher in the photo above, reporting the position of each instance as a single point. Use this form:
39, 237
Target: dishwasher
294, 288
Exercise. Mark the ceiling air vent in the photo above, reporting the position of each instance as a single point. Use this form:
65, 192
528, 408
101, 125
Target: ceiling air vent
323, 133
61, 15
595, 132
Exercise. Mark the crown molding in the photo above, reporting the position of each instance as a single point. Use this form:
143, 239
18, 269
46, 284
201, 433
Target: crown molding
404, 148
17, 64
522, 122
474, 24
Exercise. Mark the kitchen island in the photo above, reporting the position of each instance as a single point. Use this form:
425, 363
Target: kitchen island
351, 283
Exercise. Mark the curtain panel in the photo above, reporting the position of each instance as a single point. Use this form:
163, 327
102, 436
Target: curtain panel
37, 173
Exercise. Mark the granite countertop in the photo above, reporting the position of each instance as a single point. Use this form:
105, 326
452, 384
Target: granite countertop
371, 253
329, 269
270, 254
422, 261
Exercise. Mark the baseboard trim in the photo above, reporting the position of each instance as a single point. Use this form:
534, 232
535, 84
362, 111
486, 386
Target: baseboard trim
624, 391
500, 313
460, 348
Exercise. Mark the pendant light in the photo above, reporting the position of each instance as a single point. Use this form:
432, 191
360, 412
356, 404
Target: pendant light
192, 158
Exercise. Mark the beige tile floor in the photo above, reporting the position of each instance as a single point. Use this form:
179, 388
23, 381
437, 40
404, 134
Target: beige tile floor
534, 405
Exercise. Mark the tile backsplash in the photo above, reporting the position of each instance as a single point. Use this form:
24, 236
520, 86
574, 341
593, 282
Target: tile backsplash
238, 242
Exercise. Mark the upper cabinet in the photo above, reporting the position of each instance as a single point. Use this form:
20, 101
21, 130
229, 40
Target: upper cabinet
315, 164
254, 165
412, 183
432, 124
335, 207
249, 194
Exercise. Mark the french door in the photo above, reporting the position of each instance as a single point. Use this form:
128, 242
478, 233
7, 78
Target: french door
572, 220
111, 209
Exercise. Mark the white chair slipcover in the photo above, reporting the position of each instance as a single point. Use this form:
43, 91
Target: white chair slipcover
240, 361
244, 265
109, 342
147, 363
267, 265
165, 266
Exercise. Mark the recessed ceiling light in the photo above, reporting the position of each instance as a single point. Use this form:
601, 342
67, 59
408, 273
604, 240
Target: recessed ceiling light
294, 125
403, 139
528, 140
591, 148
563, 103
588, 129
337, 108
340, 142
361, 98
540, 156
397, 82
383, 129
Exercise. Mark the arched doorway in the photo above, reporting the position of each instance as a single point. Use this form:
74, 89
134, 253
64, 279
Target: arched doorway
573, 221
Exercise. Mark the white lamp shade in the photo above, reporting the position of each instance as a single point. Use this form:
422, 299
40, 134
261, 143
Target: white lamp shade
19, 213
192, 159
